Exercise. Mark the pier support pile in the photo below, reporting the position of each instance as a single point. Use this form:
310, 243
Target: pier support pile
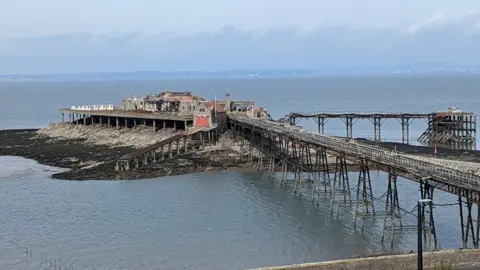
451, 127
325, 174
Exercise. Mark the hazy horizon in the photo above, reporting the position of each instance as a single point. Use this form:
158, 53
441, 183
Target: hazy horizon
59, 37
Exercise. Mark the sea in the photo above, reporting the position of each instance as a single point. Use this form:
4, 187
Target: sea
214, 220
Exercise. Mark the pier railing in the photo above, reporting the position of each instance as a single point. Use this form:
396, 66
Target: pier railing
380, 114
446, 172
108, 107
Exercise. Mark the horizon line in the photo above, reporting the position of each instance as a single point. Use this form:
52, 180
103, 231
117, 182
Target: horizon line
390, 69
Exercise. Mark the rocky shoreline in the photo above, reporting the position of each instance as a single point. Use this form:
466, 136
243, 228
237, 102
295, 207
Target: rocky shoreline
89, 160
90, 152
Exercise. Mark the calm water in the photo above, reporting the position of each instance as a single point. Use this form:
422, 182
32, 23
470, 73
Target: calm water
222, 220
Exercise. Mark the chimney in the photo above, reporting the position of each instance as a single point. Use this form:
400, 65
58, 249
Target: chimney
227, 102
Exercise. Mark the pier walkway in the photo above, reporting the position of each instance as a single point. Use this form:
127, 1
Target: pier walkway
304, 153
450, 126
147, 155
457, 173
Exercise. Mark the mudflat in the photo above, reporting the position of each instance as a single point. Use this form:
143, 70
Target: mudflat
93, 157
90, 152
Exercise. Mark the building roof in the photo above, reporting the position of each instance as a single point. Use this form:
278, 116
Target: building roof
255, 108
184, 96
218, 107
243, 102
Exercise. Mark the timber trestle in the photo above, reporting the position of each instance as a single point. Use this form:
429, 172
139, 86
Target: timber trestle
324, 167
175, 144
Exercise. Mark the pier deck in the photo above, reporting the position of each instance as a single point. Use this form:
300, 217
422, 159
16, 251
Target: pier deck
455, 173
453, 126
130, 114
128, 118
364, 115
304, 154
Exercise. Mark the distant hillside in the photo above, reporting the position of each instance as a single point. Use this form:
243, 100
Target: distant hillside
428, 69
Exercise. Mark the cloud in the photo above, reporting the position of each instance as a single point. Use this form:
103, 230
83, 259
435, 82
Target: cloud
436, 39
430, 22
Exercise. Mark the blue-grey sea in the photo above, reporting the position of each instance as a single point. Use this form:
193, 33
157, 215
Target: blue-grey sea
218, 220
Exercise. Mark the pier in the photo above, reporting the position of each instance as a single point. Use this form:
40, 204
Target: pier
126, 119
452, 126
195, 121
292, 149
191, 139
315, 159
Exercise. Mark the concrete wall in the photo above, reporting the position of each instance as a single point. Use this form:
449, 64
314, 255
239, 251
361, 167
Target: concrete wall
394, 262
132, 104
185, 108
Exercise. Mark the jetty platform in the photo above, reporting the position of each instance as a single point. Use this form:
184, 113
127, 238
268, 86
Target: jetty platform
127, 118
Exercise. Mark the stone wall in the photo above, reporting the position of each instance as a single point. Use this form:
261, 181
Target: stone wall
394, 262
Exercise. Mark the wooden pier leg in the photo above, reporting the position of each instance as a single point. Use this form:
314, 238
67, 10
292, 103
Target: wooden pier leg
178, 147
117, 122
164, 124
126, 123
163, 152
170, 150
154, 125
185, 148
193, 145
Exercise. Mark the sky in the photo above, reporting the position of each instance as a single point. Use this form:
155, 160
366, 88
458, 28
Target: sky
65, 36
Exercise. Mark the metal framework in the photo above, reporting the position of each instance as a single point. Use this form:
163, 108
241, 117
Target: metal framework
365, 201
289, 149
443, 127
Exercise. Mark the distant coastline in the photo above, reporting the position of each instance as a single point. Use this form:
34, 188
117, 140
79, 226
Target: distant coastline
253, 73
